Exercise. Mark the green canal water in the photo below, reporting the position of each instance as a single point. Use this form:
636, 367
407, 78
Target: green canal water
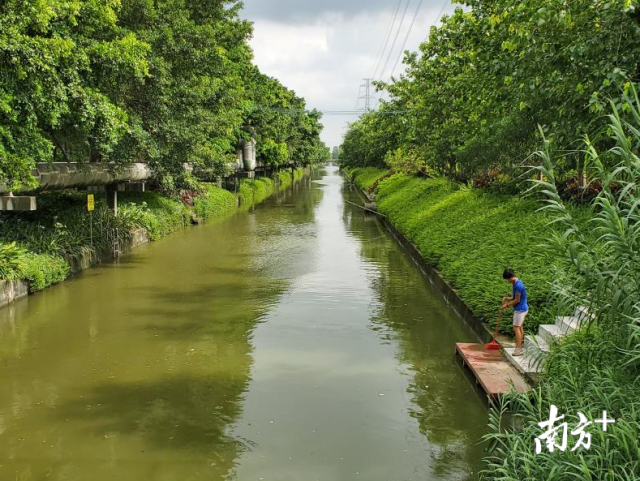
296, 342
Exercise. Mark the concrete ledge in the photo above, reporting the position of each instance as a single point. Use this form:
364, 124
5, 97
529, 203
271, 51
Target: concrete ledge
87, 260
21, 202
12, 290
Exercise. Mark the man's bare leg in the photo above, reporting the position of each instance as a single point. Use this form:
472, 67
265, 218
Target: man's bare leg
519, 336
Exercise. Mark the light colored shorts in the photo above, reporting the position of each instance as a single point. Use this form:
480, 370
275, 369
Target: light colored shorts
518, 318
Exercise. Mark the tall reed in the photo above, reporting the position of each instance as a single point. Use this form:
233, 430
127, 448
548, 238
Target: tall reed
598, 368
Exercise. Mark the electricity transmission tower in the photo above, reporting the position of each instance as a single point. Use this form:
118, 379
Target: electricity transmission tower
367, 94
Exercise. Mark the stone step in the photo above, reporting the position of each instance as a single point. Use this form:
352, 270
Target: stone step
537, 347
567, 324
549, 332
534, 344
526, 364
582, 314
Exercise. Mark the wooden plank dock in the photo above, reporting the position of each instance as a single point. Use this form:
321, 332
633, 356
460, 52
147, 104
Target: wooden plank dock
491, 370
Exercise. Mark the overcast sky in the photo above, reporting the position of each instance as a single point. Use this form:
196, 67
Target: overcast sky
323, 49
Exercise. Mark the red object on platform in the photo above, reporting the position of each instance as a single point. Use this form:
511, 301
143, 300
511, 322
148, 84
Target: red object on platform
493, 345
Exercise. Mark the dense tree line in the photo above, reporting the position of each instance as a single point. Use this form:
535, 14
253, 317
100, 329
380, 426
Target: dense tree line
121, 81
472, 99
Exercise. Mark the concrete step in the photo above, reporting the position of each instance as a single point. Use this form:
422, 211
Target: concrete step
567, 324
537, 347
526, 364
550, 333
582, 314
534, 344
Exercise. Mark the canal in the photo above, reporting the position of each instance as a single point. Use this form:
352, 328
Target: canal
295, 342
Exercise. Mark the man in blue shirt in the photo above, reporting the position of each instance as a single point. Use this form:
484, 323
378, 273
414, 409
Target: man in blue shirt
519, 303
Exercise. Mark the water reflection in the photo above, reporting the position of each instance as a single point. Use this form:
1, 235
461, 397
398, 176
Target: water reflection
295, 342
138, 373
412, 315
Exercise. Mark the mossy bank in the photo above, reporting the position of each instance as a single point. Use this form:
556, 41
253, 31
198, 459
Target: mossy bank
470, 237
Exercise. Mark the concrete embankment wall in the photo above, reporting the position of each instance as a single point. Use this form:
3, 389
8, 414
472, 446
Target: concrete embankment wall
11, 291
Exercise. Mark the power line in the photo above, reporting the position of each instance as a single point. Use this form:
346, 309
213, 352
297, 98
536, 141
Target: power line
406, 39
395, 40
439, 17
386, 42
359, 112
435, 22
325, 112
358, 97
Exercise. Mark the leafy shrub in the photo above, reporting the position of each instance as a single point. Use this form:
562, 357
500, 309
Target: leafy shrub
254, 191
162, 215
366, 177
214, 203
11, 260
43, 270
406, 160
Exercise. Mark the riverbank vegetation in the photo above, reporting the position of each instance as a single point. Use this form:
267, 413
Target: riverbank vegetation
170, 84
470, 236
571, 256
597, 369
458, 140
255, 191
165, 83
40, 246
470, 103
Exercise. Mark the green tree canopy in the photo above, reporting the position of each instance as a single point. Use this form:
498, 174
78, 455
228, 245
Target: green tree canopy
118, 81
495, 70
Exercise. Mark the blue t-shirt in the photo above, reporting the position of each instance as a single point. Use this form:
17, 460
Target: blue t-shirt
518, 288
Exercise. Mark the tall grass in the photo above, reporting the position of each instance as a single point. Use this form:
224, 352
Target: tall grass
599, 368
12, 259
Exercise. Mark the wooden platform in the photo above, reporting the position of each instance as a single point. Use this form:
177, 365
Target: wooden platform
491, 370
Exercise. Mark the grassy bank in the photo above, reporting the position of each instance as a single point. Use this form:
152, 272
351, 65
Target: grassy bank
471, 236
255, 191
366, 177
589, 256
38, 246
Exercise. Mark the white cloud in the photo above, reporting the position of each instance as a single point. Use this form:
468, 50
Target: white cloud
323, 50
283, 46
